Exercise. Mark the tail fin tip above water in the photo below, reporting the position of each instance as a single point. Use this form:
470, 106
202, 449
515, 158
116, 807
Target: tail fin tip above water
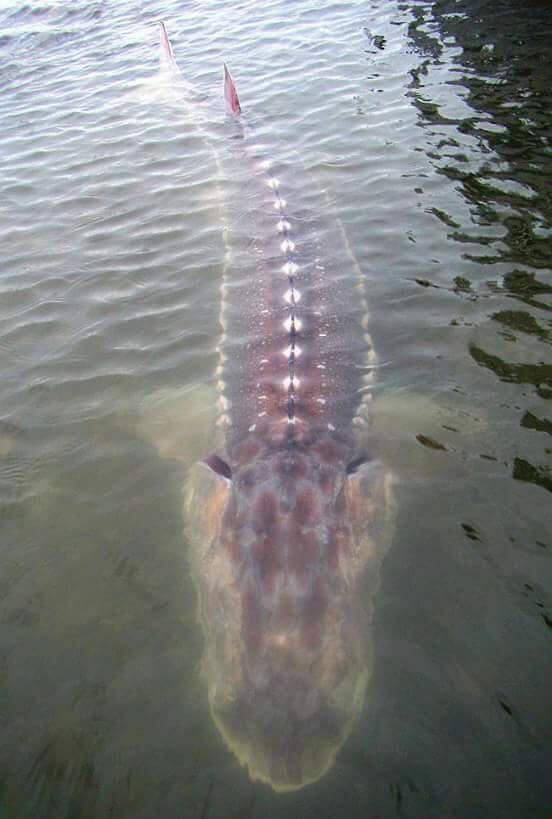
230, 94
167, 53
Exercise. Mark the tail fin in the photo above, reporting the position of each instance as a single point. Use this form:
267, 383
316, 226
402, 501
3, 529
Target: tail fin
166, 52
230, 94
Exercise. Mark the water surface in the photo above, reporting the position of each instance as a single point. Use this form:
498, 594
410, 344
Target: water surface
429, 127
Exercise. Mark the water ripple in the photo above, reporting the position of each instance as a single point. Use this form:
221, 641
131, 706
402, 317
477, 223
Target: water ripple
427, 126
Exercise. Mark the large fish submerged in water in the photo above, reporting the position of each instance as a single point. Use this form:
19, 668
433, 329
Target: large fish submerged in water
287, 515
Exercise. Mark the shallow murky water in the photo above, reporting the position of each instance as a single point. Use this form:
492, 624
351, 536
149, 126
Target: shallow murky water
429, 127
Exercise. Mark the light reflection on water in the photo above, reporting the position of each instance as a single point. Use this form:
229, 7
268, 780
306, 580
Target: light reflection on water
433, 144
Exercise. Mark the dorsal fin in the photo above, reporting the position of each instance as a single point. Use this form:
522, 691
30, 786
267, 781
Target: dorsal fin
230, 94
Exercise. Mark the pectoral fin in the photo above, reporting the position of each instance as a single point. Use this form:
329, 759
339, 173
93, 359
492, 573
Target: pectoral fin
205, 497
371, 504
415, 433
180, 423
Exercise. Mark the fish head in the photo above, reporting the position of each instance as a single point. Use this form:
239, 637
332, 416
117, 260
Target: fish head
279, 540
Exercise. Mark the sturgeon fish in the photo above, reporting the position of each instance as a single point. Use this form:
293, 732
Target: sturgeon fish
287, 516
